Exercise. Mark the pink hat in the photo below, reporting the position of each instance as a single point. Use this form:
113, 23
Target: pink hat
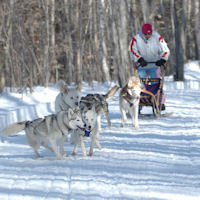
146, 28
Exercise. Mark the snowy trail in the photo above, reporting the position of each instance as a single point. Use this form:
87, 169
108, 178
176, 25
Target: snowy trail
160, 161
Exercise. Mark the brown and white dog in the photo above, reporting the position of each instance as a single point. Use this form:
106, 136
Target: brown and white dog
129, 100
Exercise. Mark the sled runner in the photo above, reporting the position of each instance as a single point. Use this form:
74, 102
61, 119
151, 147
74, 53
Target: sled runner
152, 94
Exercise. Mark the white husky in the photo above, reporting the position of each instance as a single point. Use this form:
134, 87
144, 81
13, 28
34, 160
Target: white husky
48, 130
89, 117
67, 98
129, 100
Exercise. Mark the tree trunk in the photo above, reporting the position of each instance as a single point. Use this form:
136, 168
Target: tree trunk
2, 52
69, 46
197, 28
188, 31
116, 45
102, 42
53, 61
123, 40
78, 42
98, 71
46, 58
179, 43
148, 11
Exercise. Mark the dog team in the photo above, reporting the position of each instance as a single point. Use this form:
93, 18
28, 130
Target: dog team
77, 117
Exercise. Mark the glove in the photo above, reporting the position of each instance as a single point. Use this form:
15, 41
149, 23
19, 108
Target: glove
142, 62
160, 62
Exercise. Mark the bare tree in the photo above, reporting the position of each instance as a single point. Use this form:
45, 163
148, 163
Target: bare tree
42, 41
2, 49
197, 28
188, 30
148, 10
53, 61
46, 58
179, 41
123, 40
102, 41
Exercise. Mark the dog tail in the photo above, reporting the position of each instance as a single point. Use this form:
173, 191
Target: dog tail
112, 91
13, 128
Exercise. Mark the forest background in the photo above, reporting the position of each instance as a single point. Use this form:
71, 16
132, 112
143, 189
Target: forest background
42, 41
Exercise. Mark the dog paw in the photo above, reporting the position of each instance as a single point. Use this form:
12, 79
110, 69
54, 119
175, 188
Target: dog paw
84, 154
137, 127
59, 157
122, 125
90, 154
74, 153
98, 146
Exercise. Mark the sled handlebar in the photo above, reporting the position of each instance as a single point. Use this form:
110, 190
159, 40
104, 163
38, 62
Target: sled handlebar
164, 66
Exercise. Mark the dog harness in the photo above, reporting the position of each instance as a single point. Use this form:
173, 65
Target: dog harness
127, 95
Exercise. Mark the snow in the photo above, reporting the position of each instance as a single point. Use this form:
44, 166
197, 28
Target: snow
160, 161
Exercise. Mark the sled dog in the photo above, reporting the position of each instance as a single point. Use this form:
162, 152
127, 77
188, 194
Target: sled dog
47, 130
101, 104
89, 117
129, 98
91, 107
67, 98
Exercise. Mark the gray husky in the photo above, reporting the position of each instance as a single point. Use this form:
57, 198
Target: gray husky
67, 98
91, 107
101, 104
48, 130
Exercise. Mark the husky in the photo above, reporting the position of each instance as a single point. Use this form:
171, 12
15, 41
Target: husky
101, 104
89, 116
129, 98
67, 98
91, 107
48, 130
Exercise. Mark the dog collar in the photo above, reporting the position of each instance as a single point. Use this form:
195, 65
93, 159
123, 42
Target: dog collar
88, 133
63, 131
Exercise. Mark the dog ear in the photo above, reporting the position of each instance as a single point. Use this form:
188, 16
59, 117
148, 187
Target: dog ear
61, 85
65, 89
129, 83
70, 113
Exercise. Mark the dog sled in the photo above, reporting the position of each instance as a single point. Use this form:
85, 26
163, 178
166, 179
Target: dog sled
152, 93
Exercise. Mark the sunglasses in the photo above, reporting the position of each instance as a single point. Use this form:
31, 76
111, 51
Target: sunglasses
148, 34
